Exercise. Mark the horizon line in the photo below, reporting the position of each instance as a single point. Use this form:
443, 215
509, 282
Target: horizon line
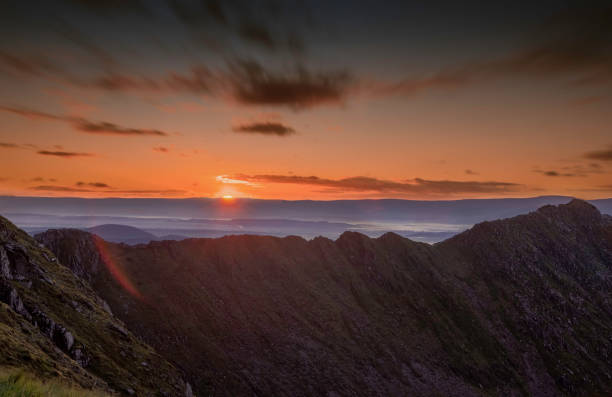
301, 200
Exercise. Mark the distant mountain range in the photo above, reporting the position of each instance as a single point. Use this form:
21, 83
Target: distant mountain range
170, 219
387, 211
519, 306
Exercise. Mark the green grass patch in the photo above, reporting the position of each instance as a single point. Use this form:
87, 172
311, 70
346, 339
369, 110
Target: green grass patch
20, 384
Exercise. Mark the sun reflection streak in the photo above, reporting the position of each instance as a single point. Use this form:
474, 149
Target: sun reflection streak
115, 268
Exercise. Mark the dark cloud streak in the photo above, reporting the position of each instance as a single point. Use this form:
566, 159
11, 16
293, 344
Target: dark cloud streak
368, 184
265, 128
252, 84
63, 154
603, 155
84, 125
92, 184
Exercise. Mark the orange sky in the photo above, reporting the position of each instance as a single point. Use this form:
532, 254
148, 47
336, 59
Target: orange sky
439, 127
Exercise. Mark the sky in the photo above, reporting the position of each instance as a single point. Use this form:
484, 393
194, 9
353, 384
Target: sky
305, 99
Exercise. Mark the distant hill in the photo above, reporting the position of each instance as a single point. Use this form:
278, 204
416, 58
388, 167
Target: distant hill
519, 306
122, 234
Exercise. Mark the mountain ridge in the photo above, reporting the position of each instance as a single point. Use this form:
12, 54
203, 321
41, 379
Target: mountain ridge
516, 306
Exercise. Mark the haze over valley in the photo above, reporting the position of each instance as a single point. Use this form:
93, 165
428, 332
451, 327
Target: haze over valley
136, 221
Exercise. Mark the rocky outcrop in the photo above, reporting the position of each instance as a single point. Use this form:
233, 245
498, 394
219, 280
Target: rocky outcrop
53, 324
17, 265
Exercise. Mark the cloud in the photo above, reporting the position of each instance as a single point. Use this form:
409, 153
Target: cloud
576, 44
262, 25
51, 188
368, 184
112, 129
576, 170
110, 192
199, 80
162, 192
265, 128
603, 155
33, 114
257, 33
554, 173
7, 145
84, 125
252, 84
92, 184
232, 181
245, 81
470, 172
41, 179
34, 65
64, 154
446, 79
161, 149
44, 152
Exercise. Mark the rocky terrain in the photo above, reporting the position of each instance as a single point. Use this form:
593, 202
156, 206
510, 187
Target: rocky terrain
519, 306
54, 325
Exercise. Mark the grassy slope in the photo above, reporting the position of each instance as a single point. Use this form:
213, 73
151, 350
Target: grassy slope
19, 384
119, 361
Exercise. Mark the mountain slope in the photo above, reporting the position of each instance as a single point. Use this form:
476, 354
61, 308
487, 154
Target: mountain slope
54, 325
519, 306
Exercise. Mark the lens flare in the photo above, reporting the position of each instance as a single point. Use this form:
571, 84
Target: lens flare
115, 268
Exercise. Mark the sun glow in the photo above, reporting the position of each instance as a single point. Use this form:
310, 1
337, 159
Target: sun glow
227, 197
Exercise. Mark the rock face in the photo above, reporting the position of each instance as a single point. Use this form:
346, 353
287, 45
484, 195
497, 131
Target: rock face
54, 325
520, 306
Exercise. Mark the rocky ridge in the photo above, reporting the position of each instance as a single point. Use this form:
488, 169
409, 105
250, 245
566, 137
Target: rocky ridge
519, 306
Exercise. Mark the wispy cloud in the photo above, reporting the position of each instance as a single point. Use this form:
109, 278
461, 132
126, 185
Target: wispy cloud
232, 181
92, 184
576, 44
51, 188
368, 184
88, 188
161, 149
245, 81
84, 125
64, 154
602, 155
575, 170
44, 152
7, 145
113, 129
161, 192
41, 179
265, 128
252, 84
